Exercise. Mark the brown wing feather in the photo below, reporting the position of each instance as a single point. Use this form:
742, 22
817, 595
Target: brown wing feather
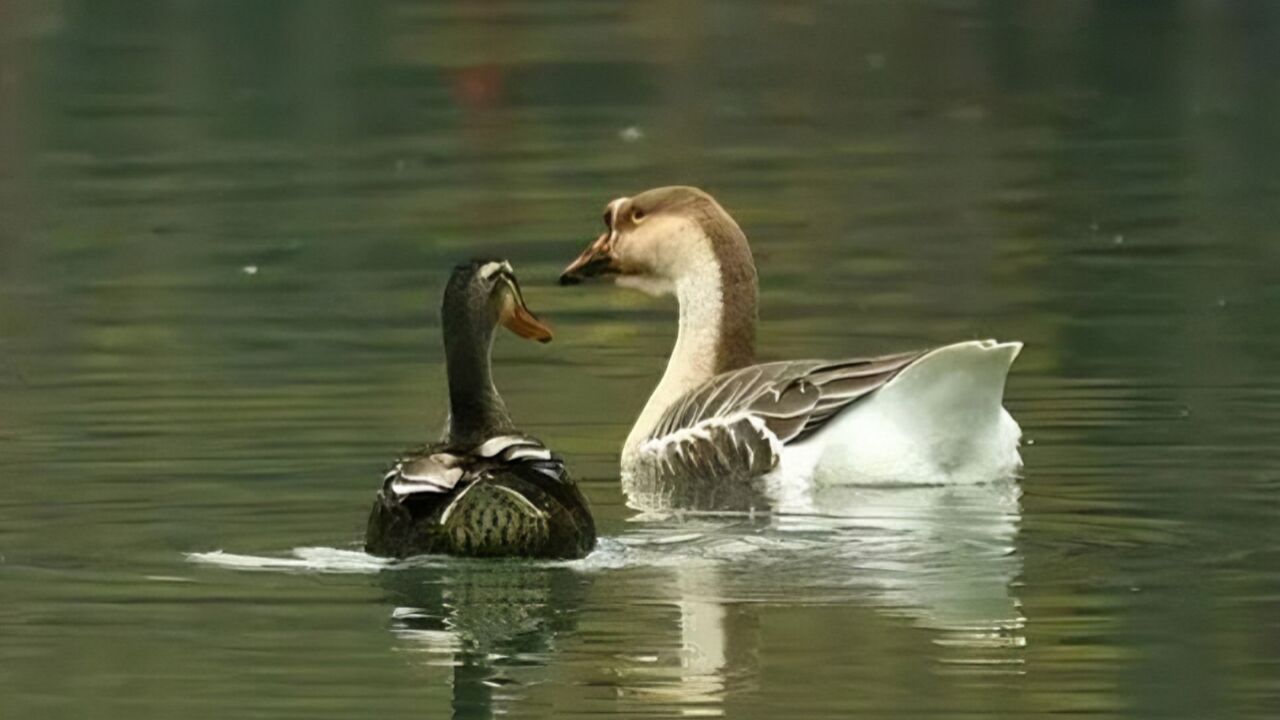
844, 383
794, 399
711, 445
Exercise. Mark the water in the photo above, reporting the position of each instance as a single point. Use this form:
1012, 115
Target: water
223, 232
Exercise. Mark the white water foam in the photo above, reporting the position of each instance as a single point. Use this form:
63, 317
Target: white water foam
303, 559
610, 554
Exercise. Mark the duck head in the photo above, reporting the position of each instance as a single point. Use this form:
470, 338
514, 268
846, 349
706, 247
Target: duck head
484, 293
480, 295
657, 238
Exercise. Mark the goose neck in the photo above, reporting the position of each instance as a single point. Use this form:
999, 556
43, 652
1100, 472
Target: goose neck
716, 334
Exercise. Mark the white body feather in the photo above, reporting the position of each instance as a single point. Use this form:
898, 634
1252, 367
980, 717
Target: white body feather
940, 421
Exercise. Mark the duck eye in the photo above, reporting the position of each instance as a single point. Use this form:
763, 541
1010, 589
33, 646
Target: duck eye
636, 215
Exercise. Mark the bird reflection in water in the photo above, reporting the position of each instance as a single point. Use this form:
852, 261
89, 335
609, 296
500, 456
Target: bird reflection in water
698, 591
492, 625
944, 557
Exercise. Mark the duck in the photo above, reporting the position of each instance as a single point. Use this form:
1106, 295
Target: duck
486, 489
722, 429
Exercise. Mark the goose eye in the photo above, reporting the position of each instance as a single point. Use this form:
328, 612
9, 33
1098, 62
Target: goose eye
636, 215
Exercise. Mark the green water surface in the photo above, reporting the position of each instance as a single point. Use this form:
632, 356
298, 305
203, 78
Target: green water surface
224, 228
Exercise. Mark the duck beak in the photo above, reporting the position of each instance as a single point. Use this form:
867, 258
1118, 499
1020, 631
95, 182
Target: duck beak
598, 259
518, 318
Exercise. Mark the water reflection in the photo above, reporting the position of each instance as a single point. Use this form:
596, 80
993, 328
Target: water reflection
705, 647
944, 557
695, 592
488, 629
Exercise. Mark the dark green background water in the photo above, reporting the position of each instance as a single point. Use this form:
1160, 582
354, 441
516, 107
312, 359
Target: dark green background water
1097, 179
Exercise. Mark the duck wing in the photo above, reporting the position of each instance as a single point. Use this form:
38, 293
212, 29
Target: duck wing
440, 470
736, 423
432, 474
506, 496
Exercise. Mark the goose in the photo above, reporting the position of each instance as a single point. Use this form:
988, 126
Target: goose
486, 489
722, 429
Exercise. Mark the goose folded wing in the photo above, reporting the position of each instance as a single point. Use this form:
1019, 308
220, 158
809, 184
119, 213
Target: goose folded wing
737, 422
842, 383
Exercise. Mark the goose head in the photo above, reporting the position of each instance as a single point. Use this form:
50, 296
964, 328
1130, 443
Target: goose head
484, 293
655, 239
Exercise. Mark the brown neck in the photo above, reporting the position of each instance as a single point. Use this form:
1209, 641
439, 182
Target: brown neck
717, 294
738, 290
737, 343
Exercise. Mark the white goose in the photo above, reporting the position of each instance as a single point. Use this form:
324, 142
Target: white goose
717, 421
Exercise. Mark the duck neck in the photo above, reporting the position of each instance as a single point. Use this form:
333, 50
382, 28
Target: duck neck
717, 333
476, 410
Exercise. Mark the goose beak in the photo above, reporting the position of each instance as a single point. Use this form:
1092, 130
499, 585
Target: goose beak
598, 259
518, 318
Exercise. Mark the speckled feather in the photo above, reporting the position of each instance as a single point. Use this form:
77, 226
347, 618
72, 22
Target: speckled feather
518, 500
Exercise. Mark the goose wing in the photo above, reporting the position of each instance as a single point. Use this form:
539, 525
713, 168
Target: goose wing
736, 423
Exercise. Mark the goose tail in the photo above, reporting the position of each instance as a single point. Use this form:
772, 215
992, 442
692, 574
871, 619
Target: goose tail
941, 420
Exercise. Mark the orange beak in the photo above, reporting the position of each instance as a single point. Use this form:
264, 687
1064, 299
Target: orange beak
598, 259
518, 318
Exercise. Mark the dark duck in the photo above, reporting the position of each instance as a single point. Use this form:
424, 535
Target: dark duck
487, 489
